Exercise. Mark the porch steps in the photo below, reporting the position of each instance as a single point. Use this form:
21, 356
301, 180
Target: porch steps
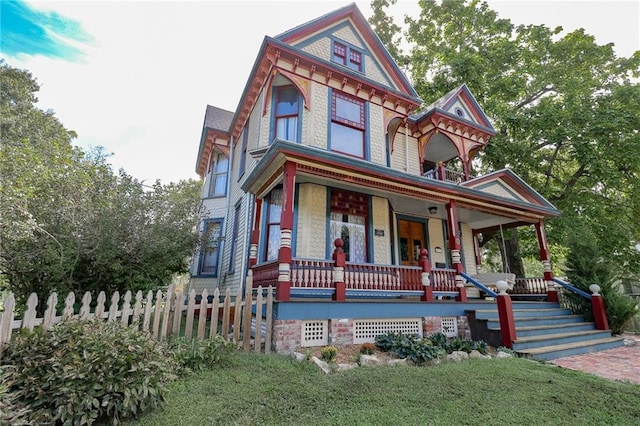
545, 332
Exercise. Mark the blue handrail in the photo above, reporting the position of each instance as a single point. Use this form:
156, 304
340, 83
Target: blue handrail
572, 288
479, 285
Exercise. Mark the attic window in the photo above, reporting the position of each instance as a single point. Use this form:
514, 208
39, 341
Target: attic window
347, 56
459, 112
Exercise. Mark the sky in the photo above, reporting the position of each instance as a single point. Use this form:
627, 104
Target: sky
135, 77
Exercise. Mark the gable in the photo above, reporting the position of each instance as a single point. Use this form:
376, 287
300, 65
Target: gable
321, 45
460, 105
506, 184
349, 27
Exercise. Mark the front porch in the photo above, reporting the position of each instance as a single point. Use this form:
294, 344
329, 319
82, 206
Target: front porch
313, 278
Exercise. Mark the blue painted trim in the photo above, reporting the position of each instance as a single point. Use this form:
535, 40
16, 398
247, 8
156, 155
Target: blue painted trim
261, 256
301, 310
272, 118
367, 132
329, 109
363, 52
387, 147
479, 285
201, 256
572, 288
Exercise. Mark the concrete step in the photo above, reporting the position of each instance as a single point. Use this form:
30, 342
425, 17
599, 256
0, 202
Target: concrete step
570, 349
554, 329
520, 313
538, 321
558, 339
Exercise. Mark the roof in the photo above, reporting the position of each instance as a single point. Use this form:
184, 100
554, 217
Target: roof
217, 118
353, 12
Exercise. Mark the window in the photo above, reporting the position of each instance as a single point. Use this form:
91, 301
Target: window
348, 221
274, 209
236, 225
243, 150
347, 125
210, 243
286, 113
219, 171
347, 56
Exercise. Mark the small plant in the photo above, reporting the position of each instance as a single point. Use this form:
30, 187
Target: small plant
329, 353
194, 355
82, 371
367, 348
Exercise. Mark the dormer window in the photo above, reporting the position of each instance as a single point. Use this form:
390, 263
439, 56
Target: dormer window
347, 56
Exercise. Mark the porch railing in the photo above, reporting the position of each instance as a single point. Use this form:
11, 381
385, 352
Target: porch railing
318, 273
312, 273
536, 285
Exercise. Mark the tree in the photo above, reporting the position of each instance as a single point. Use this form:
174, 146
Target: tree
566, 110
67, 222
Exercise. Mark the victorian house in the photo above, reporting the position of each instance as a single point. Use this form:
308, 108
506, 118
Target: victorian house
333, 182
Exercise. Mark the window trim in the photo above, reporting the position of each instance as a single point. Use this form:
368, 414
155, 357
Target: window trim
350, 53
206, 223
274, 115
362, 126
368, 222
266, 224
212, 180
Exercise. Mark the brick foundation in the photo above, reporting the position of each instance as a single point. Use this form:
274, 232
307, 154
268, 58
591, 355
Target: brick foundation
287, 335
341, 332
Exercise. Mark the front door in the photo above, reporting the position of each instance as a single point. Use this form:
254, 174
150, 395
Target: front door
412, 238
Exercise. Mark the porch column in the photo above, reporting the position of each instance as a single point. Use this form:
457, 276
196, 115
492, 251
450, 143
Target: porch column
340, 289
283, 289
255, 233
599, 311
505, 314
427, 296
454, 248
552, 293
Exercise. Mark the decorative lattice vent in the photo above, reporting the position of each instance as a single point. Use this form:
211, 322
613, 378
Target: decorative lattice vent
449, 326
315, 333
367, 330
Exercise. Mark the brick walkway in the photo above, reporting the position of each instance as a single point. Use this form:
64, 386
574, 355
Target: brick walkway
621, 363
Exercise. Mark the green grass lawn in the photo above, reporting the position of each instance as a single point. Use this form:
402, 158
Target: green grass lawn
255, 389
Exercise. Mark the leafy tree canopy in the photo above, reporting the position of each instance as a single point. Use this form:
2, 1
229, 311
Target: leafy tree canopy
67, 222
567, 110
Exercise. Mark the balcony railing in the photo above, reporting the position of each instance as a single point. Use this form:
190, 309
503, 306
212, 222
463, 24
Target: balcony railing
444, 174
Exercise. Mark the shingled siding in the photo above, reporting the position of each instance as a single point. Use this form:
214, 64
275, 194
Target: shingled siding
381, 243
312, 219
399, 155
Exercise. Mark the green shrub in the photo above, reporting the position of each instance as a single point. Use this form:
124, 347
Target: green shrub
408, 346
194, 355
82, 371
329, 353
12, 411
585, 266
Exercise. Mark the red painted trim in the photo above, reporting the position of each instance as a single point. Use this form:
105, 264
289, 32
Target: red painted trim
599, 312
552, 295
288, 188
507, 322
340, 293
255, 235
542, 241
452, 225
462, 294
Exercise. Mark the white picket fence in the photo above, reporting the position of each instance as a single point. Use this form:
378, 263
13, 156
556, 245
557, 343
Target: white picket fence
161, 316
